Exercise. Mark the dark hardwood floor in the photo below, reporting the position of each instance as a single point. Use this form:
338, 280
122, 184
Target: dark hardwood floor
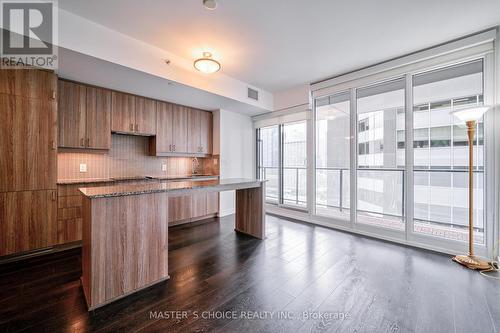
343, 282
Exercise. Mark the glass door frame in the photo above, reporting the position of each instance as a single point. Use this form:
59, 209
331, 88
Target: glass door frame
408, 235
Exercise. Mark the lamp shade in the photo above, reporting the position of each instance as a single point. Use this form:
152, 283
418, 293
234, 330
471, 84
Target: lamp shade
470, 114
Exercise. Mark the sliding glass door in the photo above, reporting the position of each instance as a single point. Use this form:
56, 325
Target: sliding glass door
282, 161
333, 156
268, 139
441, 153
381, 161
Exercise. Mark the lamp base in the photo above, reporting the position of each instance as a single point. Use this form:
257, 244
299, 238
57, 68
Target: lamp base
471, 262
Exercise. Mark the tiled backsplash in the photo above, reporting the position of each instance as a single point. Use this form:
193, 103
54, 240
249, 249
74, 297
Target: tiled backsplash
128, 156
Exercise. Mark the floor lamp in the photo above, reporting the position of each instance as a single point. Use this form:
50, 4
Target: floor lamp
470, 116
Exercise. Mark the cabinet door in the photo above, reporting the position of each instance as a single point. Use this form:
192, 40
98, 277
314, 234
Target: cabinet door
31, 83
198, 204
212, 203
194, 122
27, 220
28, 143
179, 129
179, 208
98, 132
71, 113
206, 132
145, 116
122, 112
163, 140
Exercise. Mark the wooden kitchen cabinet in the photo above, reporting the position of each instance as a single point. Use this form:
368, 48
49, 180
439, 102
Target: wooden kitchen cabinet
212, 203
198, 204
179, 129
145, 116
194, 118
32, 83
179, 208
84, 114
27, 221
71, 114
162, 143
28, 143
98, 118
122, 112
206, 123
199, 132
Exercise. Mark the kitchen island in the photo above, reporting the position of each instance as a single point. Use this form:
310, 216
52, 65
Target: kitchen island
125, 232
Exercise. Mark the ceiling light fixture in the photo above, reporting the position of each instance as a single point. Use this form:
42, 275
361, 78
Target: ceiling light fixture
207, 64
210, 4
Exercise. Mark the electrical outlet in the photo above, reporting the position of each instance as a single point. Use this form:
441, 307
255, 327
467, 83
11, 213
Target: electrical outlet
83, 167
163, 167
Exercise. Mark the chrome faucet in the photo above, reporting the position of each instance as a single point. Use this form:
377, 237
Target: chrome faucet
195, 165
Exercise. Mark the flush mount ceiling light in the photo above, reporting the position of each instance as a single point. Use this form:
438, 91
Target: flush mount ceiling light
207, 64
210, 4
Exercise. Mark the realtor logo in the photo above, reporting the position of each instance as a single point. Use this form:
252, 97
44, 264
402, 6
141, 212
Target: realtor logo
28, 34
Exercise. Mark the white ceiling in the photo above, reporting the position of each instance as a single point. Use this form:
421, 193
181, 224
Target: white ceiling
278, 44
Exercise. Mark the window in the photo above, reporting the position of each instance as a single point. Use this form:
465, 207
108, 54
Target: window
440, 177
333, 156
380, 173
268, 161
295, 164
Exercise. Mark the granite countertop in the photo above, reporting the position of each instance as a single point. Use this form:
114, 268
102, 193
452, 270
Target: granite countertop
152, 178
180, 186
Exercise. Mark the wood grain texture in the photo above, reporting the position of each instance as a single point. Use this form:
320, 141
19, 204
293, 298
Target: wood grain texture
122, 112
180, 208
72, 114
27, 83
145, 116
98, 125
194, 135
128, 245
28, 143
206, 124
212, 203
27, 221
250, 212
162, 142
180, 128
198, 204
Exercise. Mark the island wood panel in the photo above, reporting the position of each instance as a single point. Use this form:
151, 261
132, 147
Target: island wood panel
128, 241
98, 125
27, 221
72, 114
194, 118
145, 116
250, 211
206, 132
28, 143
162, 142
122, 112
30, 83
179, 129
180, 208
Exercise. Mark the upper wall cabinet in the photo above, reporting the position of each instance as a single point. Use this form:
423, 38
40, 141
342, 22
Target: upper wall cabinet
199, 132
171, 131
133, 114
98, 118
84, 116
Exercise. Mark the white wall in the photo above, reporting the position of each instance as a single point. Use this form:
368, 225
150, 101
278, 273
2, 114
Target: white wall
291, 97
234, 141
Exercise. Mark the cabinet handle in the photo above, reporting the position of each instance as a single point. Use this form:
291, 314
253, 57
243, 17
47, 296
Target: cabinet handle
169, 147
82, 144
54, 196
88, 142
53, 94
132, 127
53, 145
136, 127
174, 147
